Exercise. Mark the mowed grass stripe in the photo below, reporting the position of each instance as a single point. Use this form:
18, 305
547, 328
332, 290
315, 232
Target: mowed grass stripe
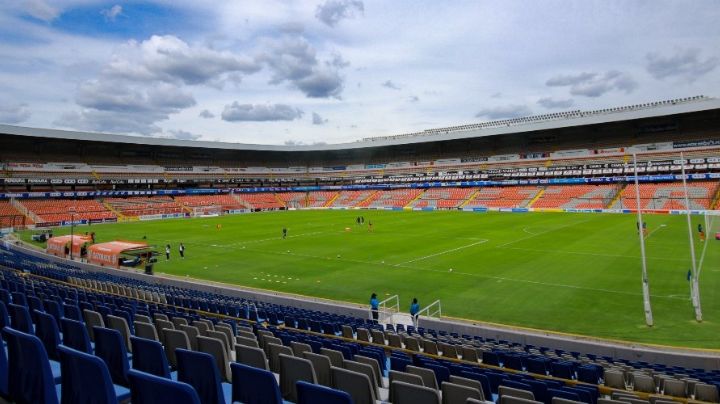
577, 273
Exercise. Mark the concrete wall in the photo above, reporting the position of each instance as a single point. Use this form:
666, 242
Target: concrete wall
669, 356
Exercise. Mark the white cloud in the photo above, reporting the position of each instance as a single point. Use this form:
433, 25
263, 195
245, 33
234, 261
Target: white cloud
279, 51
40, 9
294, 59
551, 103
182, 135
504, 112
14, 113
389, 84
206, 114
258, 112
594, 84
684, 63
317, 119
112, 13
168, 58
333, 11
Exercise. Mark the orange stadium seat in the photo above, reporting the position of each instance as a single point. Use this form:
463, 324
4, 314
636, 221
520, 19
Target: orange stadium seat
667, 196
503, 197
576, 197
58, 210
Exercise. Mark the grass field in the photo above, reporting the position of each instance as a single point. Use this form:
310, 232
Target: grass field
576, 273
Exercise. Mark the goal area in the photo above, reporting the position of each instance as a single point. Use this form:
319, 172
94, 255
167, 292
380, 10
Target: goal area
206, 211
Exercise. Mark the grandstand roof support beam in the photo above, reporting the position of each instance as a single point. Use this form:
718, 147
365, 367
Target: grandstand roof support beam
641, 234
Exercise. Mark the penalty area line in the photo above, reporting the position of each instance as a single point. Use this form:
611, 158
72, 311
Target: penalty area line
444, 252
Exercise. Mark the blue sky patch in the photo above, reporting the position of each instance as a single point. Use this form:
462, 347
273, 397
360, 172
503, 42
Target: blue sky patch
136, 21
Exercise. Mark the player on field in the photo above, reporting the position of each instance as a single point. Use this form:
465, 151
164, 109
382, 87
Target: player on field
167, 252
182, 251
284, 232
701, 232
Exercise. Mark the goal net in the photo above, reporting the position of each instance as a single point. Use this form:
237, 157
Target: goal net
204, 211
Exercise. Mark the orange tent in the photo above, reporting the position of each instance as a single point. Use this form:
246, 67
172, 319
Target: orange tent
109, 254
58, 246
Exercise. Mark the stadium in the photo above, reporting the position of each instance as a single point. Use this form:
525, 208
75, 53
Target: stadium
520, 238
359, 202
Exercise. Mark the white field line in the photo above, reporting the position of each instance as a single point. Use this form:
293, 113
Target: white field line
707, 241
525, 229
653, 231
240, 243
541, 233
594, 254
444, 252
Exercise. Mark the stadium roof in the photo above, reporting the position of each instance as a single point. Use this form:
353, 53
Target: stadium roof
502, 127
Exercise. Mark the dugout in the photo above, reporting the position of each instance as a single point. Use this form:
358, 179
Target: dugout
60, 246
119, 254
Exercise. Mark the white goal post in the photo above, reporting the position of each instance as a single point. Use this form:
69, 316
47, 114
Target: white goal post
205, 211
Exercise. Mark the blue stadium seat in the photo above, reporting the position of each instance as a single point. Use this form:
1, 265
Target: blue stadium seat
198, 369
537, 365
484, 381
110, 348
75, 335
254, 386
312, 393
72, 312
86, 379
47, 330
20, 318
4, 316
3, 372
54, 309
589, 374
19, 298
149, 357
30, 379
568, 395
563, 370
442, 374
150, 389
539, 389
5, 297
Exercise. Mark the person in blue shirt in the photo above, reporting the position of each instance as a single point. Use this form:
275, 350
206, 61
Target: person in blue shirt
374, 304
414, 309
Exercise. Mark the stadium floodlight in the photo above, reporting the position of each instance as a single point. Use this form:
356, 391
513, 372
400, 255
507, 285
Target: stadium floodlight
645, 282
694, 282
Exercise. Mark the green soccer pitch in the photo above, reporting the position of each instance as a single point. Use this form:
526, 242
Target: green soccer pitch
573, 273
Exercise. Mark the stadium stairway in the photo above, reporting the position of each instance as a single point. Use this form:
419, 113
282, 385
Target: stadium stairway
410, 204
369, 199
239, 200
330, 201
469, 198
117, 213
279, 200
25, 211
536, 198
716, 200
618, 194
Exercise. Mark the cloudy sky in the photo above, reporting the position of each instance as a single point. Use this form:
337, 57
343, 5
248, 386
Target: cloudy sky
309, 71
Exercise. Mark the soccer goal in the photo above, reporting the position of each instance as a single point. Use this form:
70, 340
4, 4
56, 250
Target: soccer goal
206, 211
